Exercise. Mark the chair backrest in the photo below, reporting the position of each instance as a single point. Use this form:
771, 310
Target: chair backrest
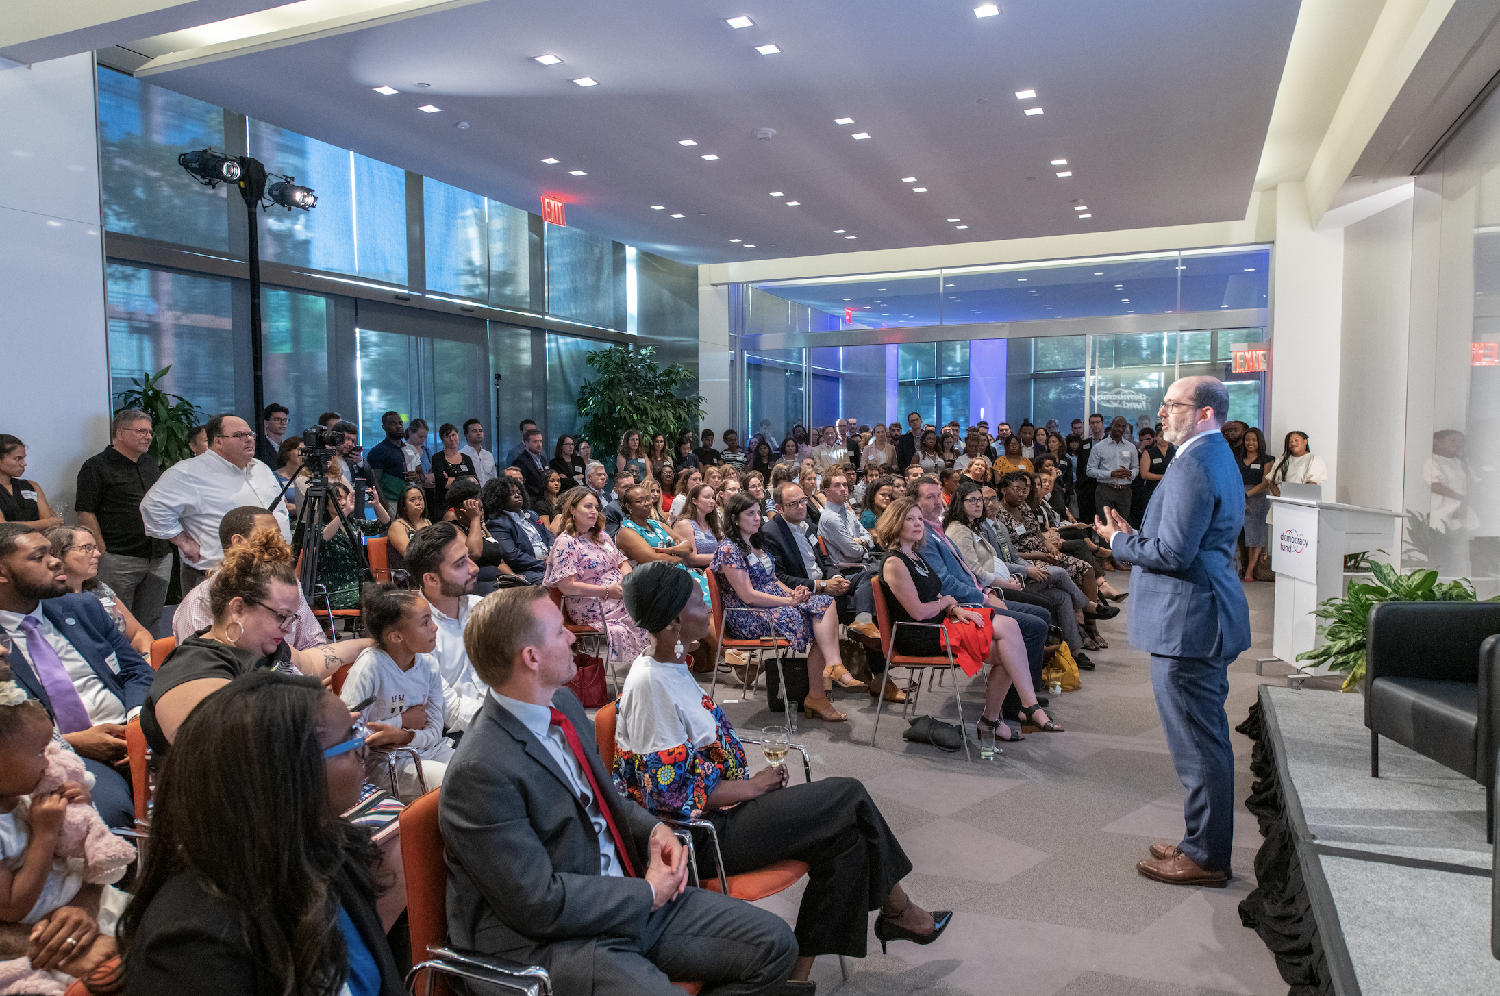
140, 778
715, 601
604, 732
339, 677
882, 613
378, 554
160, 649
426, 876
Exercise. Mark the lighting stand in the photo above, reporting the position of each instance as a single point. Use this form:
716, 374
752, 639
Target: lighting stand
252, 186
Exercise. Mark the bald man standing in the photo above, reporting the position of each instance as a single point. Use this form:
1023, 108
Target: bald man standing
1189, 612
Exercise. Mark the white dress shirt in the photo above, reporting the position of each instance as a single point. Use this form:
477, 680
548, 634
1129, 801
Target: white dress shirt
103, 705
1108, 455
464, 693
538, 720
484, 462
193, 495
1181, 449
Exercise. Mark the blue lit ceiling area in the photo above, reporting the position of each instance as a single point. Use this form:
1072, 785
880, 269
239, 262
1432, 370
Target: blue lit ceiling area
1140, 283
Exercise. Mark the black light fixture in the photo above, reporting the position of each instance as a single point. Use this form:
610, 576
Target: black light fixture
212, 168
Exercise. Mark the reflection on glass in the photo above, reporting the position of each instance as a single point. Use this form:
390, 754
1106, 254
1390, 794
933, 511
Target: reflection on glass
581, 276
457, 242
917, 360
510, 255
775, 391
567, 369
294, 348
440, 380
322, 238
1063, 352
158, 319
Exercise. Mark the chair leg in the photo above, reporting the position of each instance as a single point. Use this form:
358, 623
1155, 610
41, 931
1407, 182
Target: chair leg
713, 683
962, 730
880, 703
1489, 811
1374, 754
844, 967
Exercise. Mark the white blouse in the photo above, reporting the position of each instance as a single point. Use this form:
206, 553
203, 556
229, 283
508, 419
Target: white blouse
661, 707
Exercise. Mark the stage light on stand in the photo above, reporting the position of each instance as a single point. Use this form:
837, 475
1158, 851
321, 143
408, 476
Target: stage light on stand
289, 195
209, 167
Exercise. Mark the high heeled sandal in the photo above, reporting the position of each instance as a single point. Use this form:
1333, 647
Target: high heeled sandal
829, 715
994, 727
1028, 714
887, 929
843, 679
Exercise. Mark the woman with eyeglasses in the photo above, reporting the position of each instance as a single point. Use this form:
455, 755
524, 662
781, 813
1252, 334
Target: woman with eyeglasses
254, 600
253, 883
79, 552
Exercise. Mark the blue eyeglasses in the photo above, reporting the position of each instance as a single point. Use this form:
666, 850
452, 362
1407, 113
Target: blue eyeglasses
359, 732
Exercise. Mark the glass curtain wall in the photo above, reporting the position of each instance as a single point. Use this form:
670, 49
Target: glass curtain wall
437, 379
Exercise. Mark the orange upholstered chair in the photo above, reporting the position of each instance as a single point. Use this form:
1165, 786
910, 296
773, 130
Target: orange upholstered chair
140, 776
775, 644
941, 662
160, 649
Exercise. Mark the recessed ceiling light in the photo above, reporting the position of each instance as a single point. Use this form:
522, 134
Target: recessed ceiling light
860, 136
851, 236
686, 141
658, 207
1098, 273
1059, 162
736, 240
549, 161
848, 299
1249, 269
843, 120
1079, 207
919, 190
430, 108
839, 231
1119, 286
776, 193
986, 10
548, 60
679, 216
1025, 94
768, 49
749, 245
792, 204
1085, 216
1021, 280
908, 179
387, 90
1182, 268
959, 226
590, 81
576, 172
739, 22
710, 157
1032, 111
1064, 173
1124, 300
952, 220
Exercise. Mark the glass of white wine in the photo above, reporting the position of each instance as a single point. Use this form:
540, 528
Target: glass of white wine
774, 741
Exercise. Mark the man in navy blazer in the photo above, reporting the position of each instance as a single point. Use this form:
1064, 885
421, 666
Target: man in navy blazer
110, 679
519, 532
1189, 612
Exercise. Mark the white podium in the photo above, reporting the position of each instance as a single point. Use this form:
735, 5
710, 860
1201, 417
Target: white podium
1309, 540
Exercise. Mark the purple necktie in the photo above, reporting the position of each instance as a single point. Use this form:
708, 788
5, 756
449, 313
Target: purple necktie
67, 707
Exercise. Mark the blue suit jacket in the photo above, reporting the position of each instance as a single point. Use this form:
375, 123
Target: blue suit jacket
951, 570
515, 546
1185, 594
94, 635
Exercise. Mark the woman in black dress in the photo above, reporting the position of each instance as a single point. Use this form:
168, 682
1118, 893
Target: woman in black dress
449, 465
21, 500
567, 462
1156, 454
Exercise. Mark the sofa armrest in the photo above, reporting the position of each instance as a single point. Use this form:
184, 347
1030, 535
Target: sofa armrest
1487, 733
1438, 640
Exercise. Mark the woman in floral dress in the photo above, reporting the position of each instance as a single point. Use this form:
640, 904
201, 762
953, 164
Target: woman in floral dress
586, 566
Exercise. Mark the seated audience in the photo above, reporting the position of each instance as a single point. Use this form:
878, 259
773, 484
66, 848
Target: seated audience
678, 756
445, 574
687, 479
847, 538
68, 653
657, 452
614, 511
632, 456
21, 500
733, 454
467, 511
403, 692
587, 567
698, 525
194, 613
926, 455
340, 565
550, 865
567, 462
747, 580
198, 440
878, 497
546, 506
644, 538
1012, 459
762, 458
75, 547
666, 478
255, 600
523, 538
69, 926
808, 481
790, 455
685, 457
252, 882
707, 455
913, 593
411, 516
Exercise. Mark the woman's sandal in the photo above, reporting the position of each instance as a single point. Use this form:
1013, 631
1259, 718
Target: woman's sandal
843, 679
994, 727
829, 715
1089, 643
1028, 712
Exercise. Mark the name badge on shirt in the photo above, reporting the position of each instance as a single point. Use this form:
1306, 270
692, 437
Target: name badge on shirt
29, 495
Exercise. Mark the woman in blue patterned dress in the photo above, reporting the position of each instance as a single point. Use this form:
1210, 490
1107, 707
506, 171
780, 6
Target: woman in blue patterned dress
588, 569
747, 580
677, 755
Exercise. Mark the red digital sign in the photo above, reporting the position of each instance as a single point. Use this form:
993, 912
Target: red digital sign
848, 314
1253, 360
1485, 354
554, 212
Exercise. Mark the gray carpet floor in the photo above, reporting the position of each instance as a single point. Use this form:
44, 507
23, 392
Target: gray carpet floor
1035, 851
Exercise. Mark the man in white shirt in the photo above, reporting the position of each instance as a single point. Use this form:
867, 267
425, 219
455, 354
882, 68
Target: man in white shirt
190, 499
484, 460
1113, 464
1027, 432
438, 558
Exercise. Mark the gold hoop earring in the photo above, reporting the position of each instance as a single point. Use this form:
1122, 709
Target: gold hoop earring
236, 637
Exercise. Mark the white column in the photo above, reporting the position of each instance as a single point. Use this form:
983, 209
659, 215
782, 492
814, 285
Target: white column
714, 361
1306, 330
52, 327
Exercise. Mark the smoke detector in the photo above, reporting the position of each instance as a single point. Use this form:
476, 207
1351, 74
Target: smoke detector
765, 134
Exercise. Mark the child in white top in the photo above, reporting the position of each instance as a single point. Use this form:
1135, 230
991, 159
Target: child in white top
35, 886
399, 677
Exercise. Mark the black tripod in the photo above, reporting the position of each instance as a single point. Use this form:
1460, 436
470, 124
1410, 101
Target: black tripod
307, 540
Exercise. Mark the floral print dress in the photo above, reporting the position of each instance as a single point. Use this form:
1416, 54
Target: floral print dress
596, 562
1026, 535
793, 623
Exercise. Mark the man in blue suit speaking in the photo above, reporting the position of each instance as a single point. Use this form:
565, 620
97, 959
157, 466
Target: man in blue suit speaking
1189, 612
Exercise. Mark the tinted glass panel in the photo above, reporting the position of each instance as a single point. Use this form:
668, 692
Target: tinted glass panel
294, 329
159, 319
510, 255
1063, 352
581, 276
457, 240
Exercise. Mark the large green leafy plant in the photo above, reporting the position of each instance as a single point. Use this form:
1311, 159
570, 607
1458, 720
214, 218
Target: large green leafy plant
630, 391
173, 417
1348, 617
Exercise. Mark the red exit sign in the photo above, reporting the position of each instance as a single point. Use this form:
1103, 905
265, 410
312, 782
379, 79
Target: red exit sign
554, 212
1250, 359
1486, 354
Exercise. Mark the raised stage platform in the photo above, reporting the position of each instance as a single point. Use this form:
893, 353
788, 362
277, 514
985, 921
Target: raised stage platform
1372, 886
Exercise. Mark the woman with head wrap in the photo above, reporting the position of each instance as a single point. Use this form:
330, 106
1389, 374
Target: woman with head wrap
677, 755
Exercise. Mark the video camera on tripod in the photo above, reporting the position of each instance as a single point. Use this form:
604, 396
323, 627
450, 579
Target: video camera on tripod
320, 445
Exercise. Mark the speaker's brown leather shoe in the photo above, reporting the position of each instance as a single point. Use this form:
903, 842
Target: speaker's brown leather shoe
1181, 870
1162, 851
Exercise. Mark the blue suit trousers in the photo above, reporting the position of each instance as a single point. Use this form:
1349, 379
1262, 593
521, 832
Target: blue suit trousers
1190, 694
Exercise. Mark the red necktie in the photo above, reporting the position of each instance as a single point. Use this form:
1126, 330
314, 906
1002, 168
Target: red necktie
558, 719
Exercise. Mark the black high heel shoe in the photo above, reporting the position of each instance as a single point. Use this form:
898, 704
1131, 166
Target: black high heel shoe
994, 725
889, 930
1028, 713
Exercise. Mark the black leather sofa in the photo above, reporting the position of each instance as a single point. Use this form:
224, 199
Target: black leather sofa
1432, 684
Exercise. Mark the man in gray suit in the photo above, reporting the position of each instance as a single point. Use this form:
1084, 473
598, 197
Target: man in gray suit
543, 854
1189, 611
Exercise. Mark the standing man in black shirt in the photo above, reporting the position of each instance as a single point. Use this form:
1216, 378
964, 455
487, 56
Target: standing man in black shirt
111, 485
1086, 484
